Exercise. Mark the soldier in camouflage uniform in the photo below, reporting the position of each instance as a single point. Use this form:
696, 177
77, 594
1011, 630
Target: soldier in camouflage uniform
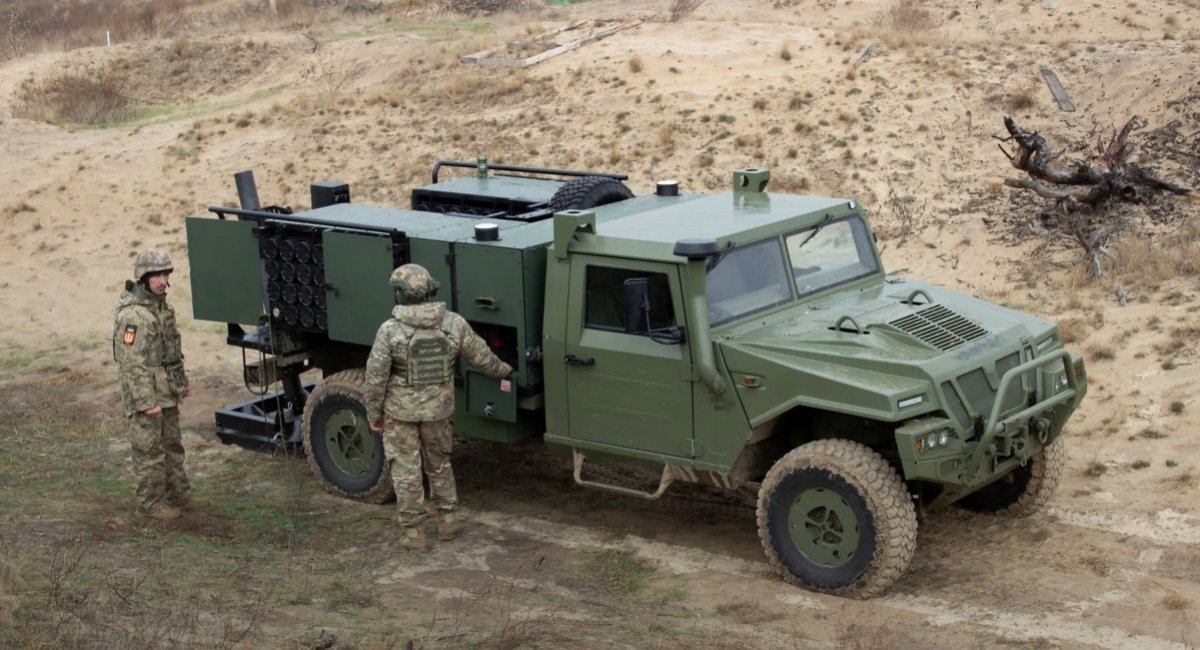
146, 346
410, 397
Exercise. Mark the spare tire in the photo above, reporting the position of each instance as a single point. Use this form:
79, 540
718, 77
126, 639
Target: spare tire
589, 192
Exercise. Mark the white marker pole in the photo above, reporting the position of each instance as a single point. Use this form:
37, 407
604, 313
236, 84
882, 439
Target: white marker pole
108, 37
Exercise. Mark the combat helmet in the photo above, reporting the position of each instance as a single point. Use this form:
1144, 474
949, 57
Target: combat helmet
412, 284
151, 260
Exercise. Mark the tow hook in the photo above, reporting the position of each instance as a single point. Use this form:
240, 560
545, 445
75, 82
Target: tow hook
1040, 427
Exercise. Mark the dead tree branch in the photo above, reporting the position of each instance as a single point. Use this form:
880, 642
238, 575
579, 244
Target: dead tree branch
1082, 188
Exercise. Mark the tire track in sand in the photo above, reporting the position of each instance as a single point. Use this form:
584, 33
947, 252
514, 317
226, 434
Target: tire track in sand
1171, 528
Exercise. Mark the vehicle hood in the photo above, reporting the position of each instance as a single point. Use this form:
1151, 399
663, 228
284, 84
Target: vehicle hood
872, 346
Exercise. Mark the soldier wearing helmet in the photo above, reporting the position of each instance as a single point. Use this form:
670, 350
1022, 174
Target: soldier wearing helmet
410, 397
146, 347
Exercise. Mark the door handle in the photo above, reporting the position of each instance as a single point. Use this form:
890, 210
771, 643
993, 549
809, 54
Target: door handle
576, 361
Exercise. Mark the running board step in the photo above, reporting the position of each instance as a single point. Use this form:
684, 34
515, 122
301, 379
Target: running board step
668, 477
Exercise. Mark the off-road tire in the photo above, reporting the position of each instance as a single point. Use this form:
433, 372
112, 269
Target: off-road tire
1024, 490
341, 396
853, 480
589, 192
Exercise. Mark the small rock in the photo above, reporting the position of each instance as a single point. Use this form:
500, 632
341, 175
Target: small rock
325, 640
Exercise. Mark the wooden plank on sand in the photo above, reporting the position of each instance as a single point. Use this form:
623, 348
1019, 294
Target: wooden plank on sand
1056, 88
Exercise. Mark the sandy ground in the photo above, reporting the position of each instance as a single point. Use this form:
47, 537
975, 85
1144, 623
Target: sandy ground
909, 132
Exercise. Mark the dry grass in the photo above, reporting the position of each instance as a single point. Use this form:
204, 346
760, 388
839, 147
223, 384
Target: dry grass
1099, 563
677, 10
1022, 99
1176, 602
28, 26
1149, 260
82, 95
636, 65
906, 23
1074, 329
1095, 468
902, 216
478, 7
666, 136
475, 84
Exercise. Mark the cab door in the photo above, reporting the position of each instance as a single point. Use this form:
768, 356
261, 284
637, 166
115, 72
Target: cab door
625, 387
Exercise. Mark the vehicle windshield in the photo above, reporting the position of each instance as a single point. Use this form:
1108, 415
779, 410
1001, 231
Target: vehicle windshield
754, 277
747, 279
831, 253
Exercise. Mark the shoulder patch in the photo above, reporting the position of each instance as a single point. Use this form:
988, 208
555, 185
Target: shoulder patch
129, 335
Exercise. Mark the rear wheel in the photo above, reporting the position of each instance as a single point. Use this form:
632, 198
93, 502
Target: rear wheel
589, 192
834, 516
1026, 489
342, 449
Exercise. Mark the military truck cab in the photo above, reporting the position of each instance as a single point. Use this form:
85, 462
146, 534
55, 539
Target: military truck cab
742, 339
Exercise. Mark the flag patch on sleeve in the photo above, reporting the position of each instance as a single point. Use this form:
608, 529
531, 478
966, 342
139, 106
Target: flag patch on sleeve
130, 334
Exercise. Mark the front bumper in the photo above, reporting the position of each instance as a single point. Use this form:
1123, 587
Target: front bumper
965, 460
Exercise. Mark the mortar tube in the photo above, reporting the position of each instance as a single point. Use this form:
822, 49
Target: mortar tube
697, 315
247, 190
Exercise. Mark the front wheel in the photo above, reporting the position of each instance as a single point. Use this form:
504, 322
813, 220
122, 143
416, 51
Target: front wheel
342, 450
834, 517
1026, 489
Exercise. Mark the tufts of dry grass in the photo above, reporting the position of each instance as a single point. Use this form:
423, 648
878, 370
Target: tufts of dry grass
1150, 261
677, 10
636, 65
84, 95
1095, 468
901, 216
1099, 563
907, 23
1074, 329
478, 7
666, 136
1022, 99
1176, 602
475, 84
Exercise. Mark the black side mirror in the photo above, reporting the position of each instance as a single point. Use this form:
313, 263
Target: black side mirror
637, 305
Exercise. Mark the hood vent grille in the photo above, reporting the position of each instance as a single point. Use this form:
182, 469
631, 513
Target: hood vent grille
940, 327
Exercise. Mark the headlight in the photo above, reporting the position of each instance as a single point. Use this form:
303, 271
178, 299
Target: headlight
1060, 382
933, 440
1045, 344
910, 401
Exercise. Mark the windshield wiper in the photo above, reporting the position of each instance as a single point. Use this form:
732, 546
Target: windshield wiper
714, 261
815, 231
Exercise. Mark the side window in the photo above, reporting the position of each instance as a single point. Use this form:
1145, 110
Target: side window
605, 302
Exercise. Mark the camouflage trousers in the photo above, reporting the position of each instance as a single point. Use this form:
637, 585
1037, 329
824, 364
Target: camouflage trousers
158, 460
417, 450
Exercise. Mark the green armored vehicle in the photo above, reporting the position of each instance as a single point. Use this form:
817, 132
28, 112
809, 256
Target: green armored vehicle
738, 339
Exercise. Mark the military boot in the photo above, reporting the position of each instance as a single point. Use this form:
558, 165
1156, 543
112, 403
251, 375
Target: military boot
164, 513
193, 503
414, 539
448, 526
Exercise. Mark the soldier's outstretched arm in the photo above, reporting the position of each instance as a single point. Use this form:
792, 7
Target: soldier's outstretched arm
474, 350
